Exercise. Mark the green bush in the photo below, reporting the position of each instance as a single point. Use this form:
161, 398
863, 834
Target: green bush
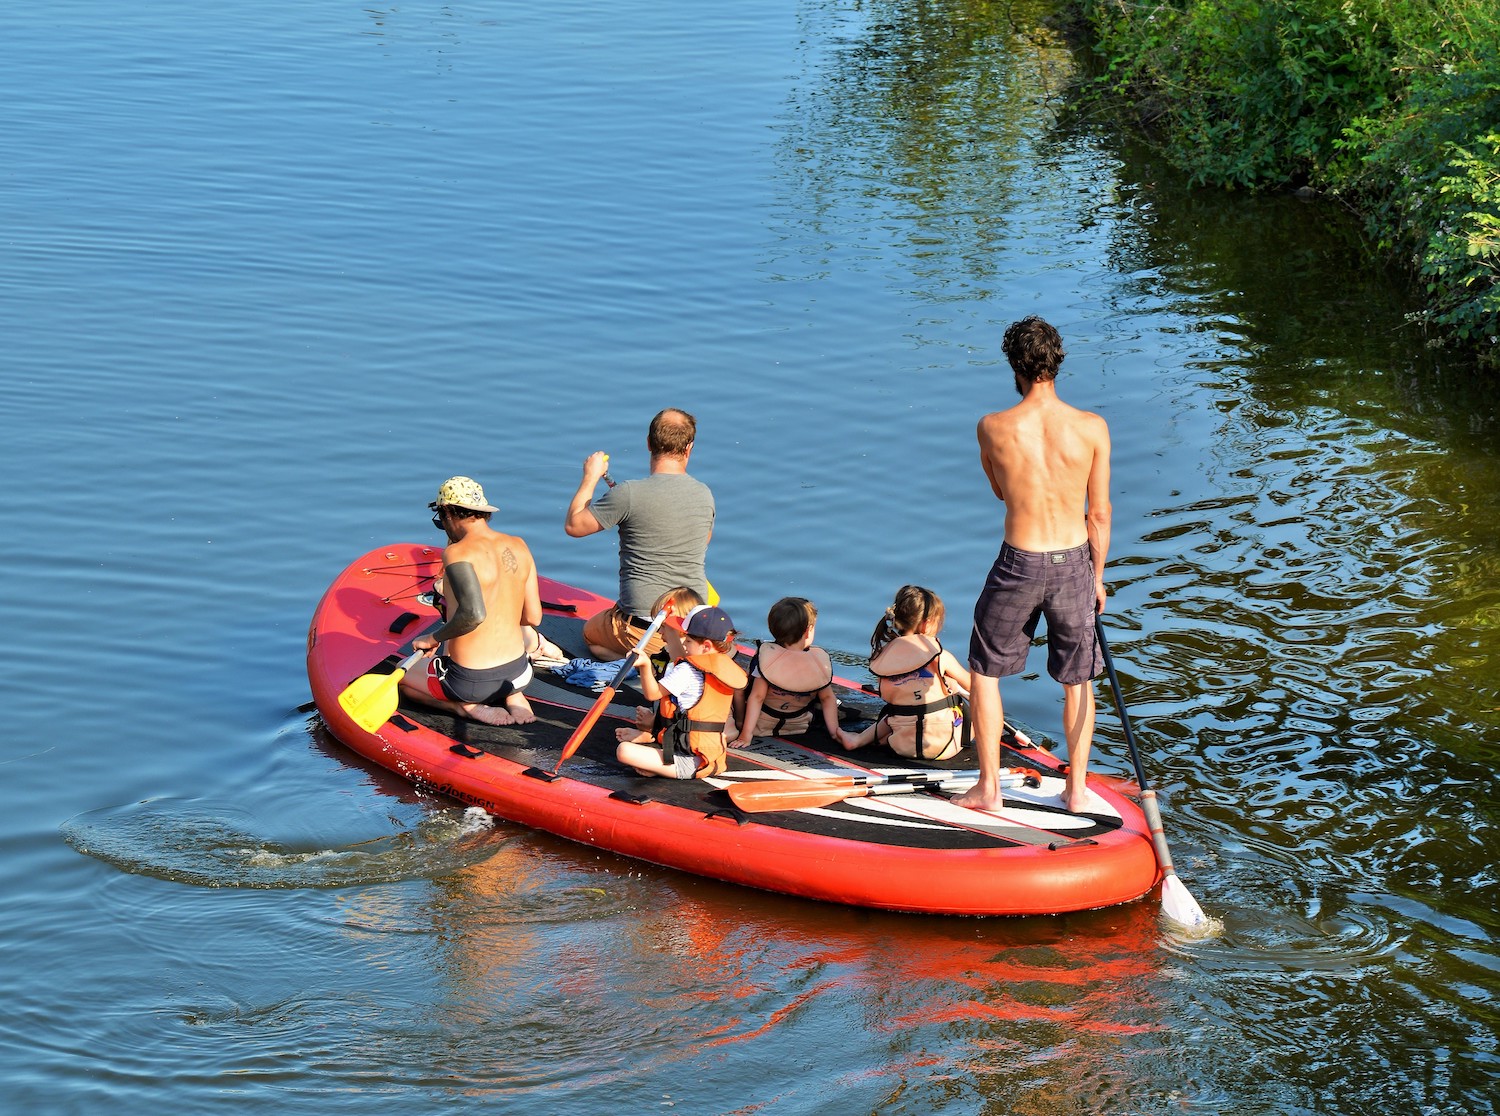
1391, 105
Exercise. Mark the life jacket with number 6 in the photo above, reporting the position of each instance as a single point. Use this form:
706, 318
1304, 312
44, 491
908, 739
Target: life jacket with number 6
790, 674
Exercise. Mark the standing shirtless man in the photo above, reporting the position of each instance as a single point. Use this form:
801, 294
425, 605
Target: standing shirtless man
478, 664
1048, 463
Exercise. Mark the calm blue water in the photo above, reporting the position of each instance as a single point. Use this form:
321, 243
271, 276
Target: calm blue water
268, 274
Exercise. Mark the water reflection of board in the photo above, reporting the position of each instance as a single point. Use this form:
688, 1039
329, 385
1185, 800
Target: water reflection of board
913, 852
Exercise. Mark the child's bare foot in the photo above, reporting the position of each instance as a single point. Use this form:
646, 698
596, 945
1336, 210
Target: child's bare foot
543, 651
853, 740
632, 736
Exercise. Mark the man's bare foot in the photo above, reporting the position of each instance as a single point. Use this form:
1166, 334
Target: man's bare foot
521, 712
491, 714
976, 799
1079, 802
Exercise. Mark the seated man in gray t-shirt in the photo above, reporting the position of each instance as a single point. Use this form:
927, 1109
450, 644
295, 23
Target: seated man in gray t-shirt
665, 521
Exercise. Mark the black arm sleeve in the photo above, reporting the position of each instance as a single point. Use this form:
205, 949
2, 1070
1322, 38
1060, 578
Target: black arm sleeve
465, 601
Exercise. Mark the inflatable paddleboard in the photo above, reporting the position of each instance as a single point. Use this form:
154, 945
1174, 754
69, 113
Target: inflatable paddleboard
914, 851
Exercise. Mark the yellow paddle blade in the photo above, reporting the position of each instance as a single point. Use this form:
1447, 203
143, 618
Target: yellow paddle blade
371, 698
713, 594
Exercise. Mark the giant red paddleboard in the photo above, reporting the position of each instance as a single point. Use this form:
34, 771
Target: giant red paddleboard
902, 852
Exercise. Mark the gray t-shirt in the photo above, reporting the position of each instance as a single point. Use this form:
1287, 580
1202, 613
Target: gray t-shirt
664, 521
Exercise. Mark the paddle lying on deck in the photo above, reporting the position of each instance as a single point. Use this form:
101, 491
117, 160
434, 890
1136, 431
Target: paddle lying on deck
764, 795
1177, 903
607, 693
371, 698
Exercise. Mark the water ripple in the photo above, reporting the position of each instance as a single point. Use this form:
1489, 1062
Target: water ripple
196, 843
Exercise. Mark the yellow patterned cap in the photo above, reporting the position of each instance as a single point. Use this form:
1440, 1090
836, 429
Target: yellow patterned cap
461, 492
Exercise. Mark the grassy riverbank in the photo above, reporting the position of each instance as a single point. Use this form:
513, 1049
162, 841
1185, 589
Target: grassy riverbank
1392, 106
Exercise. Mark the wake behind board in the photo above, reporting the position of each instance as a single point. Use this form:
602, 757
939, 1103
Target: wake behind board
904, 852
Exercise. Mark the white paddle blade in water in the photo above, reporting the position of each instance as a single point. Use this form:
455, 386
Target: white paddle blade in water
1178, 904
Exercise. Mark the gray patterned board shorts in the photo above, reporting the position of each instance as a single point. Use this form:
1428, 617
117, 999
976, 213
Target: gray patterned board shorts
1024, 586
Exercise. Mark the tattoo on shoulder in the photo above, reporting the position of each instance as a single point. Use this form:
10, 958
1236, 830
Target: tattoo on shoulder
508, 559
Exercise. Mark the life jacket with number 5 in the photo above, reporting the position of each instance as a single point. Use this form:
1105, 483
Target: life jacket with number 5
924, 717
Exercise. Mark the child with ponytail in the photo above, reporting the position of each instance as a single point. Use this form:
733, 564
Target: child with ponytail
922, 684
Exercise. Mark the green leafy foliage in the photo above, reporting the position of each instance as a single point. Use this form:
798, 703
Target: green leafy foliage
1391, 105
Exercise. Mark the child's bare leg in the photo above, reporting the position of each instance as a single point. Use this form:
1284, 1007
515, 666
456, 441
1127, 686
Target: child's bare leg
643, 759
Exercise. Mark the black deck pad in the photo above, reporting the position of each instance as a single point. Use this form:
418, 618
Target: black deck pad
560, 707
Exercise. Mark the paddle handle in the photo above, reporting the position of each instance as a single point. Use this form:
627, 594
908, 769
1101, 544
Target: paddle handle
608, 692
952, 783
629, 663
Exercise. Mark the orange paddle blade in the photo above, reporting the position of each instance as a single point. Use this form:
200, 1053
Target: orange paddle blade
763, 797
584, 725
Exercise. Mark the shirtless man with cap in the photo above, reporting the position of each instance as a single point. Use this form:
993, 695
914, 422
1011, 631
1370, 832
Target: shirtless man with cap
1048, 463
477, 664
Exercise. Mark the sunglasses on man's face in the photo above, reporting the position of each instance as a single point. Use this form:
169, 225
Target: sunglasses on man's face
437, 518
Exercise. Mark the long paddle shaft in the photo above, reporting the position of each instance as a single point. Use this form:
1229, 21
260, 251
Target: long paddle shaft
765, 795
371, 698
608, 692
1177, 903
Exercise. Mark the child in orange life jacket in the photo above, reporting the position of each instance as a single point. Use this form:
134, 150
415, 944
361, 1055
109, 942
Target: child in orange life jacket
677, 602
923, 685
694, 699
790, 678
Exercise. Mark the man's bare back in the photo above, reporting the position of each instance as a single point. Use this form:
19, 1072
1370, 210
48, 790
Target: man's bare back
478, 664
1048, 462
507, 578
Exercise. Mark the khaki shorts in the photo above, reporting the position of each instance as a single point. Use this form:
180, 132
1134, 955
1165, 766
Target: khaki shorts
618, 632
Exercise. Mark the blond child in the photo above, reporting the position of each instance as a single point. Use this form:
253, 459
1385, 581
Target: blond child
923, 685
694, 698
790, 678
